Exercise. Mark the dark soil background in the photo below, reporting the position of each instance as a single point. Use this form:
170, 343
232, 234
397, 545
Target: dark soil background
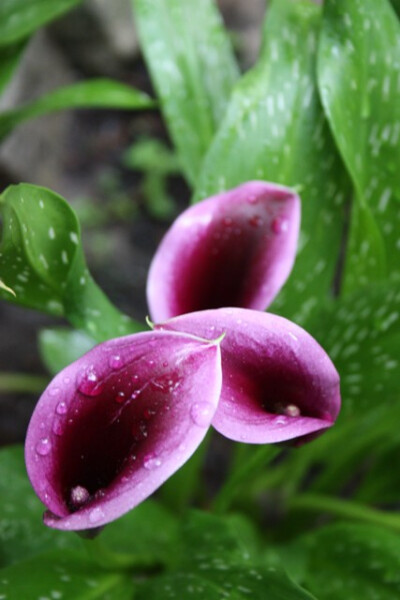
79, 155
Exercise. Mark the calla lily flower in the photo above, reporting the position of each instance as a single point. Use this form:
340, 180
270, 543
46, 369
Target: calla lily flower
278, 383
115, 424
234, 249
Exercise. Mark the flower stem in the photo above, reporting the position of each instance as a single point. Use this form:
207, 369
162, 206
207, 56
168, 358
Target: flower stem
259, 459
114, 561
21, 383
347, 509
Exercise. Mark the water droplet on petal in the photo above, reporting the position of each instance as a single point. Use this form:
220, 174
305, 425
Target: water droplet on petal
43, 447
227, 221
148, 414
58, 427
135, 377
115, 362
120, 397
61, 408
252, 199
88, 383
95, 515
151, 461
281, 420
279, 225
256, 221
291, 410
201, 413
79, 496
54, 391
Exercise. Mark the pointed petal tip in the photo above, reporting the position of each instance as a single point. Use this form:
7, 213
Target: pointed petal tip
114, 425
279, 384
234, 249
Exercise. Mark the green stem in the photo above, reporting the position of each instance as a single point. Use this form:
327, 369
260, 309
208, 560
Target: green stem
21, 383
347, 509
113, 561
240, 476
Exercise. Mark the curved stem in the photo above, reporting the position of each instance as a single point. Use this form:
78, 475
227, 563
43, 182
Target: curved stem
344, 508
114, 561
260, 458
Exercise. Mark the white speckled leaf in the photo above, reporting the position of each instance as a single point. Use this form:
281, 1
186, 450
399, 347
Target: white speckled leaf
359, 79
61, 575
361, 333
275, 129
95, 93
215, 562
193, 69
20, 18
352, 561
41, 260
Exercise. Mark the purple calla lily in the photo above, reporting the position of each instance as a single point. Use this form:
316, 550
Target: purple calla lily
234, 249
278, 383
114, 425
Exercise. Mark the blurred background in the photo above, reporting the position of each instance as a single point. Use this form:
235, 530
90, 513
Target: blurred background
116, 168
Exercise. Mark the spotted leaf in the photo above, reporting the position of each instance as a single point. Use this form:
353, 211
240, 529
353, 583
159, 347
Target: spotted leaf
41, 260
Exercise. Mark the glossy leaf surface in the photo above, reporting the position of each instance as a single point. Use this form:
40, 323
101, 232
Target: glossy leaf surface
20, 18
192, 67
359, 78
42, 261
275, 129
95, 93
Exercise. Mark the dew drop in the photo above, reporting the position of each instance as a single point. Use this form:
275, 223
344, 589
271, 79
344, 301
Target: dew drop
79, 496
135, 377
135, 394
151, 462
58, 427
201, 413
54, 392
281, 420
252, 199
95, 515
256, 221
279, 225
88, 383
43, 447
148, 414
291, 410
115, 362
120, 397
61, 408
227, 222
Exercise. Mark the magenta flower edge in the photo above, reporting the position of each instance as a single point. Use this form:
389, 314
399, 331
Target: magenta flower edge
278, 383
114, 425
234, 249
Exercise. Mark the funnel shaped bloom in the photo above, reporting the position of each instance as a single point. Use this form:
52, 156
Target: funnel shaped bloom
114, 425
234, 249
278, 383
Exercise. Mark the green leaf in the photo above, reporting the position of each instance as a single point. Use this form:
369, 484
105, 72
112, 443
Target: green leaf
42, 261
235, 583
22, 533
149, 530
361, 333
352, 561
275, 129
95, 93
63, 574
193, 70
60, 347
396, 6
9, 60
214, 563
359, 78
20, 18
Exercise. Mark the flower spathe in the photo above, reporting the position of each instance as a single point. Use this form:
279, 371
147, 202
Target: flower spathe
278, 383
234, 249
114, 425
